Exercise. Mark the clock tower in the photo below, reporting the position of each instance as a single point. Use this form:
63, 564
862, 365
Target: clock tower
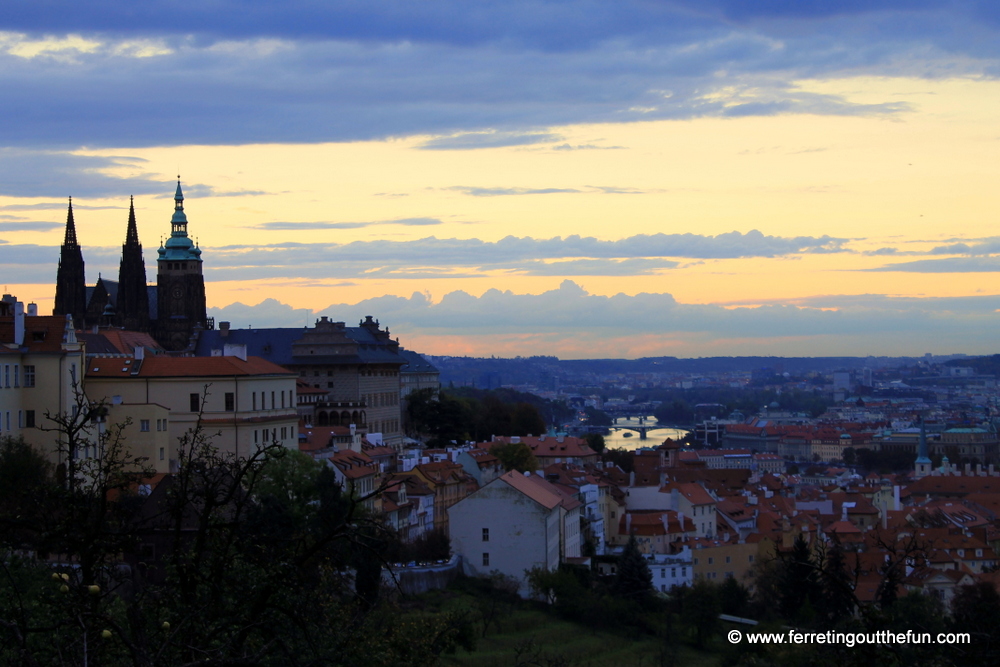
180, 285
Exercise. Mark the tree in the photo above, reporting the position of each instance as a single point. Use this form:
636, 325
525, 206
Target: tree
595, 441
218, 565
976, 609
838, 600
526, 420
515, 456
734, 598
801, 589
701, 608
633, 580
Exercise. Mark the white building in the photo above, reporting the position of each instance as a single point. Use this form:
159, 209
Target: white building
671, 570
513, 524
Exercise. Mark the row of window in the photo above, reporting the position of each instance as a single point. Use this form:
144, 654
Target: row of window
161, 425
381, 399
290, 401
384, 426
363, 373
287, 399
729, 559
673, 572
25, 419
266, 437
29, 376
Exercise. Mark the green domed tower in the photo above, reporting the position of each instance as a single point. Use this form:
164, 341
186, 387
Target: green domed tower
180, 285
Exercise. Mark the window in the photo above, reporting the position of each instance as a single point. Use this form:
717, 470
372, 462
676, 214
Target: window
20, 417
486, 559
728, 560
161, 453
195, 402
329, 385
6, 375
256, 436
29, 418
230, 401
17, 375
254, 396
711, 560
486, 534
144, 425
282, 398
29, 376
284, 432
272, 400
750, 558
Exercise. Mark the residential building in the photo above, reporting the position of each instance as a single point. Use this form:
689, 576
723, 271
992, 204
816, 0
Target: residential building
513, 524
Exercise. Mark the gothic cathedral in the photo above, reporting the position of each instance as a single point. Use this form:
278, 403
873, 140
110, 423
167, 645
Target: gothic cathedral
171, 311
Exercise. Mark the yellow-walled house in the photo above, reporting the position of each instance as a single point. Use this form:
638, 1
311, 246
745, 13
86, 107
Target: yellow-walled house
41, 362
242, 402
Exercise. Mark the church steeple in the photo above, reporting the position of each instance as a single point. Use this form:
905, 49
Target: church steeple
132, 307
180, 285
71, 286
922, 466
70, 238
131, 233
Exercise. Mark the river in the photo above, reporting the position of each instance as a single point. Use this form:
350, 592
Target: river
654, 436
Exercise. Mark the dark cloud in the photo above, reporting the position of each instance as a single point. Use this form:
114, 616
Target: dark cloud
496, 75
474, 140
43, 173
570, 313
291, 226
585, 147
460, 258
503, 192
591, 267
29, 226
948, 265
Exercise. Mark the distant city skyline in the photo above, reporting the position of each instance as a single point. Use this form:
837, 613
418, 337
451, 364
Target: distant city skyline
584, 180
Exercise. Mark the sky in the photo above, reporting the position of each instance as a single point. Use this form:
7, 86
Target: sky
584, 179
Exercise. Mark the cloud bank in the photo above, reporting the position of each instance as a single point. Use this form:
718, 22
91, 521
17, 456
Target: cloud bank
472, 76
571, 322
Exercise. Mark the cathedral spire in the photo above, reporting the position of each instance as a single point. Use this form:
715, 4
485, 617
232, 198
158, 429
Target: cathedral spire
71, 288
70, 239
132, 233
131, 310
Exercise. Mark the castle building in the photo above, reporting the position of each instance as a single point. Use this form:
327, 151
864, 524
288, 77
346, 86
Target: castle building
171, 310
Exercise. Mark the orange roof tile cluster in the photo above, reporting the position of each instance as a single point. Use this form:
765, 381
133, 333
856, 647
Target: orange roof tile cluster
42, 333
539, 490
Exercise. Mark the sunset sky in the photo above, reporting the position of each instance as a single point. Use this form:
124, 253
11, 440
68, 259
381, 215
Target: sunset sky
578, 178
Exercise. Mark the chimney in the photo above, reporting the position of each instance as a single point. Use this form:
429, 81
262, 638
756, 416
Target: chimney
224, 329
628, 523
18, 323
895, 497
32, 310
